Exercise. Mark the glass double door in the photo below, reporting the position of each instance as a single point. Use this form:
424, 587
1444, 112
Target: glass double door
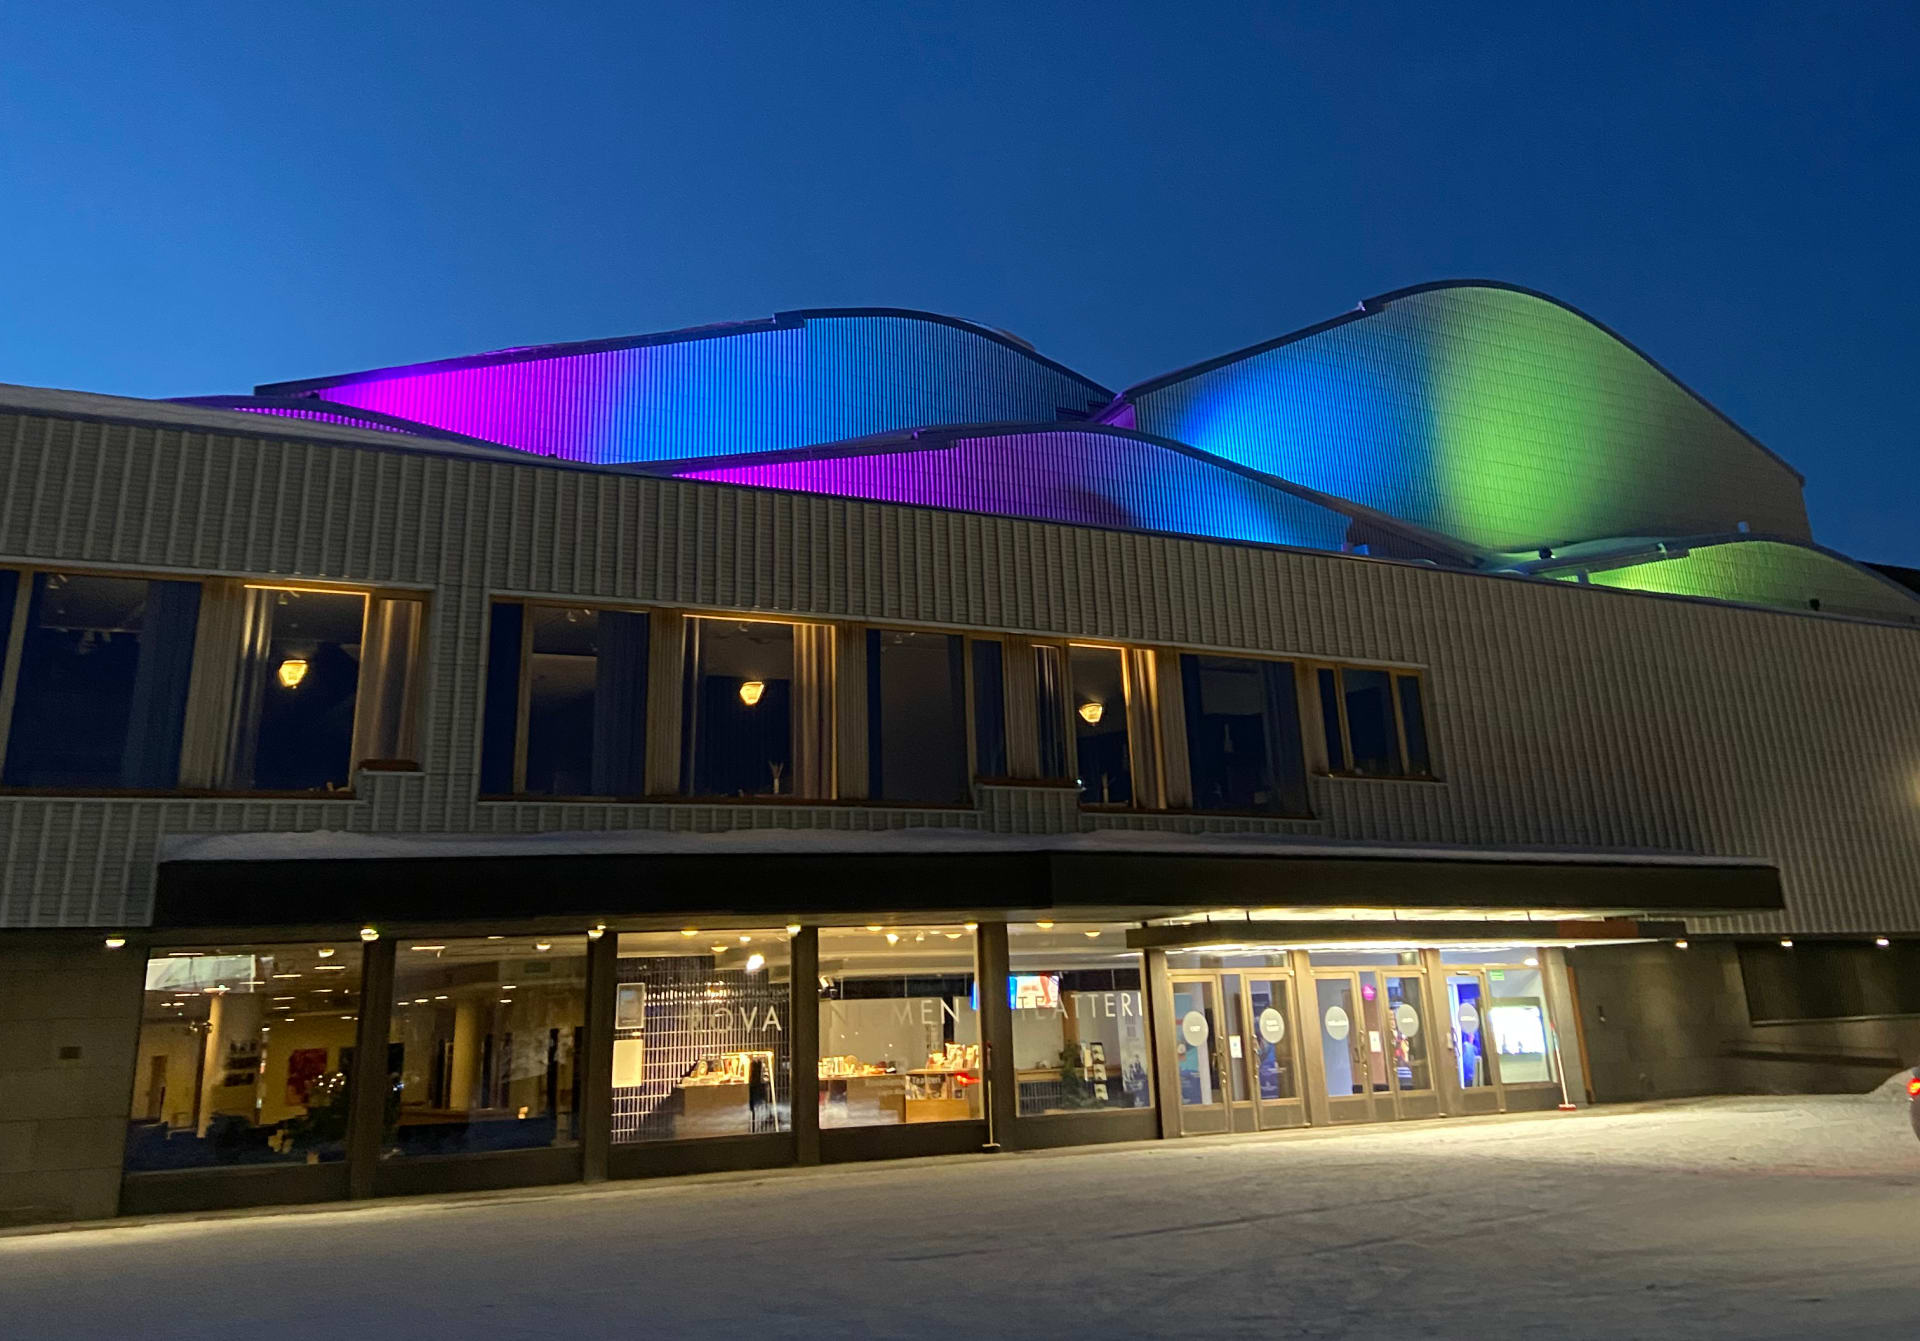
1375, 1044
1234, 1052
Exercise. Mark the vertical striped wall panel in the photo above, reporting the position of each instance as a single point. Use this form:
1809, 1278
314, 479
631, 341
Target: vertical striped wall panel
1560, 715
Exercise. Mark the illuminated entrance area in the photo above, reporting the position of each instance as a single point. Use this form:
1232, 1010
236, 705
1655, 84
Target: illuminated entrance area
1256, 1040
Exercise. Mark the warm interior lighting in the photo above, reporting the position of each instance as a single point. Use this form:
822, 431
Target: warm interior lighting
690, 931
719, 949
745, 939
594, 933
1090, 713
793, 928
325, 952
750, 692
971, 926
1091, 935
1531, 962
543, 946
115, 942
1044, 926
756, 962
874, 927
1786, 944
369, 934
292, 671
1880, 941
426, 947
1679, 945
893, 938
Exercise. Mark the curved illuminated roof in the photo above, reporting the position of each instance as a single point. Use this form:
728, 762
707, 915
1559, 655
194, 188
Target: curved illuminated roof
795, 380
1085, 475
1468, 424
1753, 570
1493, 414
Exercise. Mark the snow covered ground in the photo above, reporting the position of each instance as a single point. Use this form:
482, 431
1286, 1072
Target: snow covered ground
1737, 1217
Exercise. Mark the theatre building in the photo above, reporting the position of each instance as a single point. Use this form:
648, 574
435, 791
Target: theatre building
853, 735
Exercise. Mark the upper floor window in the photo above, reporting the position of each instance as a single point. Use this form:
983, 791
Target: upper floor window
1098, 687
916, 717
1243, 735
297, 689
1374, 722
98, 668
566, 708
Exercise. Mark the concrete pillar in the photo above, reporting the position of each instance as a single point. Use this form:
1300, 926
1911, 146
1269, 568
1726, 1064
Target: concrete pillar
232, 1053
1161, 1031
596, 1081
996, 1031
803, 1044
470, 1018
366, 1126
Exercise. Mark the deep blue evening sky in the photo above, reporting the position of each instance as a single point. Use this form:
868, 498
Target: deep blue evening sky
200, 197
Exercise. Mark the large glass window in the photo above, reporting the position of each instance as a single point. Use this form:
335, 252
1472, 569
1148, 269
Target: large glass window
1374, 722
1517, 1020
298, 687
485, 1044
102, 690
1079, 1019
899, 1026
739, 709
586, 702
989, 709
1243, 735
701, 1028
1099, 695
1049, 711
916, 717
245, 1056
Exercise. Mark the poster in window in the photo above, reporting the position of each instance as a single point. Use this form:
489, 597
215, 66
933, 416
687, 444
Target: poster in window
630, 1012
304, 1066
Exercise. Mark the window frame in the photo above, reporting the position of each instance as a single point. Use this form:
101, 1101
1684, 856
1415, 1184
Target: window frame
1303, 673
1395, 674
1068, 714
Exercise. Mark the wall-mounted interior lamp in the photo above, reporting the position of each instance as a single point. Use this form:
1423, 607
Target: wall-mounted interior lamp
116, 942
369, 934
1679, 945
1090, 713
750, 691
292, 671
1882, 942
1786, 945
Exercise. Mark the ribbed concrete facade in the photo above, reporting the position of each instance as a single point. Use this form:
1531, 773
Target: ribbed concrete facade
1561, 715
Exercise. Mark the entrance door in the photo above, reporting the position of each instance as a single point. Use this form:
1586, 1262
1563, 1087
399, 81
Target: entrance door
1473, 1060
1375, 1044
1199, 1054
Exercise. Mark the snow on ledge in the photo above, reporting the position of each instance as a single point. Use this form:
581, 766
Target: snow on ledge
337, 846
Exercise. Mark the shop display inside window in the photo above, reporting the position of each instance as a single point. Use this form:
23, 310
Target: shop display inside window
1079, 1020
899, 1026
701, 1034
485, 1044
245, 1057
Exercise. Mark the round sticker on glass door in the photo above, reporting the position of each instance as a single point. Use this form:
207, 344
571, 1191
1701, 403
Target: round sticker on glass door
1273, 1025
1469, 1018
1406, 1019
1193, 1027
1336, 1023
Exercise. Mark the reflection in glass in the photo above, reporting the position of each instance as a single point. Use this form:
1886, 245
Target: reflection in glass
1243, 735
102, 691
244, 1056
899, 1026
1272, 1031
1079, 1020
1468, 1009
989, 710
1413, 716
1099, 705
1049, 708
700, 1035
484, 1043
1194, 1059
299, 681
1405, 1018
916, 717
1370, 729
1328, 682
739, 709
586, 702
1339, 1019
